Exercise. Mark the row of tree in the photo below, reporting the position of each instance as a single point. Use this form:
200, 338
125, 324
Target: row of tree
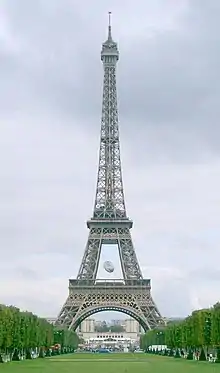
200, 329
23, 334
109, 328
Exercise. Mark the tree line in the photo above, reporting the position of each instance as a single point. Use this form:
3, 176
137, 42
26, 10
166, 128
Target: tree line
199, 331
24, 335
111, 328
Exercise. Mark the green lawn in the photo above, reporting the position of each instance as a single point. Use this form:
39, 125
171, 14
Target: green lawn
109, 363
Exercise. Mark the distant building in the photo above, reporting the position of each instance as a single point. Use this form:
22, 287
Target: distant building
98, 322
130, 335
87, 326
131, 326
116, 322
51, 320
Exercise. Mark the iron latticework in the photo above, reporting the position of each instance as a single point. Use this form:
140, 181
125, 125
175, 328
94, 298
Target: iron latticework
109, 225
109, 201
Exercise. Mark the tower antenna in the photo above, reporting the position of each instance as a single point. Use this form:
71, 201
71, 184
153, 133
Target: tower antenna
109, 19
109, 26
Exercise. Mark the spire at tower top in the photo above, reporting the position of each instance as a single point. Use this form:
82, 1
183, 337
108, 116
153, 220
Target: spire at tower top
109, 27
109, 47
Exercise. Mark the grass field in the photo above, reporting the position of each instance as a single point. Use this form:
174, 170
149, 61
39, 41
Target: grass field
109, 363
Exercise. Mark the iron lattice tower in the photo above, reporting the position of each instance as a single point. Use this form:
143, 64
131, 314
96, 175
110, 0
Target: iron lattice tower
109, 225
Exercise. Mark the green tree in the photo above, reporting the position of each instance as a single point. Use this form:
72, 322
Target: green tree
202, 356
66, 338
215, 325
22, 332
116, 328
200, 330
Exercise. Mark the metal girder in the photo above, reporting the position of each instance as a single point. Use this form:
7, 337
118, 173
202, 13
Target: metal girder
131, 297
121, 236
109, 201
110, 225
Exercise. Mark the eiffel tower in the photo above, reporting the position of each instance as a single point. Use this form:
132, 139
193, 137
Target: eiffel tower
109, 225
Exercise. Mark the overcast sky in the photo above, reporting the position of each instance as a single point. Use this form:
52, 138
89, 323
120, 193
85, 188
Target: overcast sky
50, 106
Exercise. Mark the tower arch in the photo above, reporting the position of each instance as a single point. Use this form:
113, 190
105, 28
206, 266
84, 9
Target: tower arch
97, 309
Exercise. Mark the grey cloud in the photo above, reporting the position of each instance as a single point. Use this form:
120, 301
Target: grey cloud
27, 273
174, 89
201, 274
40, 307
